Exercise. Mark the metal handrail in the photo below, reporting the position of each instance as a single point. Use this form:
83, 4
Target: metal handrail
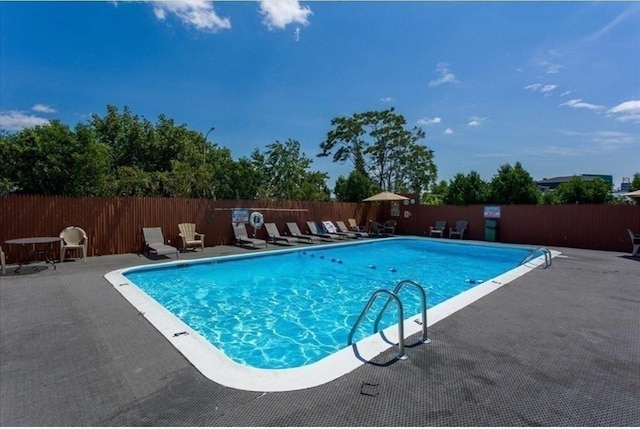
544, 250
393, 296
423, 297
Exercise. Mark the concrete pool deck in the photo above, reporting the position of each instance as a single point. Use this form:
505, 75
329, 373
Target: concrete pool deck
557, 347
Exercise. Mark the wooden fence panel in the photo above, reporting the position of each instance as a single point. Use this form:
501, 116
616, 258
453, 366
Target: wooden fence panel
114, 225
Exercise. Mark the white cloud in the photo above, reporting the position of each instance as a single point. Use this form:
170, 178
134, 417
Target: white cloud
43, 108
15, 121
603, 139
553, 68
386, 99
475, 121
543, 89
280, 13
445, 75
577, 103
429, 121
448, 131
197, 13
627, 111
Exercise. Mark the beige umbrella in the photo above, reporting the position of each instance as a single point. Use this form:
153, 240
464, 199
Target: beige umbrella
385, 196
633, 194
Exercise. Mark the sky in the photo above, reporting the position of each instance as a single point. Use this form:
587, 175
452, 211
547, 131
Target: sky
552, 85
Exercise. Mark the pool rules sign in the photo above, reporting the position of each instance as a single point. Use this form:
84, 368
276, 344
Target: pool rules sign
492, 212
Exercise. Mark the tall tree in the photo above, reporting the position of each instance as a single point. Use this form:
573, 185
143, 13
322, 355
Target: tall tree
467, 190
513, 185
580, 191
354, 188
286, 173
380, 146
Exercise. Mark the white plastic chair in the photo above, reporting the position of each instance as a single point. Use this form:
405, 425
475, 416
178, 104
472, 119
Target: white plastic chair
73, 237
3, 262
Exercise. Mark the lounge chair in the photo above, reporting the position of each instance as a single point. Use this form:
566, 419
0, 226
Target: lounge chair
274, 234
3, 262
154, 242
73, 237
313, 230
635, 242
438, 229
355, 227
295, 232
190, 238
458, 231
343, 228
331, 229
389, 226
243, 239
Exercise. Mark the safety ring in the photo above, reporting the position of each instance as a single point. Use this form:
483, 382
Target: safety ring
256, 220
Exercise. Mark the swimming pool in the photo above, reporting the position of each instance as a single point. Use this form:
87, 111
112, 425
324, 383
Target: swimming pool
289, 310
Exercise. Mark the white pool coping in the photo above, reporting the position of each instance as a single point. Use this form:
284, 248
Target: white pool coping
216, 366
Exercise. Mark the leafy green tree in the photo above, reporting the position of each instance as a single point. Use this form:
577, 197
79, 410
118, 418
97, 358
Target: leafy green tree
354, 188
467, 190
579, 191
52, 159
379, 145
437, 194
635, 182
513, 185
286, 173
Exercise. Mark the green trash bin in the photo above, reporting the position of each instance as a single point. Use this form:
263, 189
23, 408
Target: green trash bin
491, 229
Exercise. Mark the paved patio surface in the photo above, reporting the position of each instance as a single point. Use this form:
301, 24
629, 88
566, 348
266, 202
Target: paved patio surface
557, 347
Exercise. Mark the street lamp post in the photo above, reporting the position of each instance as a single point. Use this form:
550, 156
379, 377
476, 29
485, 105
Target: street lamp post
204, 151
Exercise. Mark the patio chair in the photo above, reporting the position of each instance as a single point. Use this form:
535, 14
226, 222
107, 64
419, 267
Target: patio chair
242, 237
154, 242
313, 230
355, 227
458, 231
73, 237
375, 228
190, 238
438, 229
330, 228
389, 226
343, 228
3, 262
635, 242
274, 234
295, 232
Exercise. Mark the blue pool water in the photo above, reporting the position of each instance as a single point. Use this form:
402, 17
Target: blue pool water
293, 308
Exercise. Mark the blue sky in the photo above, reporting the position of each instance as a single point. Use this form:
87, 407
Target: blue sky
554, 85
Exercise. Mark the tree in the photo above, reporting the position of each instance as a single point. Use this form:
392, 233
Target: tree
354, 188
286, 173
635, 182
513, 185
579, 191
379, 146
52, 159
437, 194
467, 190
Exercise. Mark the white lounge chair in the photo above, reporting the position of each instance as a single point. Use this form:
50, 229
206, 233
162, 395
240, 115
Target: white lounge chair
342, 229
154, 242
242, 237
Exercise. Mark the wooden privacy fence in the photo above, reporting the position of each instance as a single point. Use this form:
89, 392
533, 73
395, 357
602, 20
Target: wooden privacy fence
114, 225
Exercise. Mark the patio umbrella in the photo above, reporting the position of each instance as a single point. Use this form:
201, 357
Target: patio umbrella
633, 194
385, 196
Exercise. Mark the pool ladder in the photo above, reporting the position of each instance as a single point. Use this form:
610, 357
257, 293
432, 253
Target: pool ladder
530, 255
393, 296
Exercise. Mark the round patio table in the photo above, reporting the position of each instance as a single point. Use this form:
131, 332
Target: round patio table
39, 246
